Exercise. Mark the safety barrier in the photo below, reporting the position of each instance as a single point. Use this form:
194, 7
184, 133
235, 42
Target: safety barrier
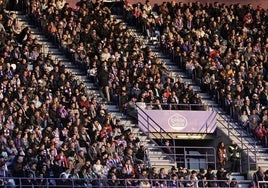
11, 182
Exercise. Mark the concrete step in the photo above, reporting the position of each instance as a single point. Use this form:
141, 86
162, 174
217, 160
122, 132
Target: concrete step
161, 162
159, 54
209, 102
157, 158
168, 62
77, 72
118, 114
160, 165
112, 108
173, 68
150, 145
135, 130
155, 153
145, 140
205, 95
181, 74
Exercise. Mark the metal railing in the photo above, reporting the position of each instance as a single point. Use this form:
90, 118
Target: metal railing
180, 106
192, 107
161, 133
255, 157
249, 150
12, 182
190, 157
152, 129
209, 122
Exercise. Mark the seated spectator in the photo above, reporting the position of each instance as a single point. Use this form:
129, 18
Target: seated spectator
163, 177
193, 180
223, 176
128, 170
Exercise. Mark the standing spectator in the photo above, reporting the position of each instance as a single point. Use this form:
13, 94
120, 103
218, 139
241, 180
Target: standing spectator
261, 132
103, 80
222, 154
258, 176
168, 148
234, 157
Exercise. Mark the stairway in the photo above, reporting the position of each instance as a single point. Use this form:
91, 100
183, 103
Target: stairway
253, 151
157, 158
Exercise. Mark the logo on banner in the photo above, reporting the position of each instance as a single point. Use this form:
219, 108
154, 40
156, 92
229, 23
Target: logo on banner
177, 122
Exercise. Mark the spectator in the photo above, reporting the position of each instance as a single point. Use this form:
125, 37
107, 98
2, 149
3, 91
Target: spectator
234, 153
202, 178
258, 176
222, 155
128, 169
145, 183
193, 180
234, 183
223, 176
163, 177
261, 133
224, 69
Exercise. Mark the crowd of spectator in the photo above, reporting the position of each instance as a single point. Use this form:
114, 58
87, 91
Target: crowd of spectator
50, 127
223, 48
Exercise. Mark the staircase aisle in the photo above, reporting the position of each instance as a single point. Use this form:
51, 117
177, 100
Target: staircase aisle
156, 157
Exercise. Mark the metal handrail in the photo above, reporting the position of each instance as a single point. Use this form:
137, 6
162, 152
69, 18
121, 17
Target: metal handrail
104, 182
190, 106
239, 136
206, 124
257, 160
209, 153
156, 127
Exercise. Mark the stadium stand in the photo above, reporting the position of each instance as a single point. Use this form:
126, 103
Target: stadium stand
50, 126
